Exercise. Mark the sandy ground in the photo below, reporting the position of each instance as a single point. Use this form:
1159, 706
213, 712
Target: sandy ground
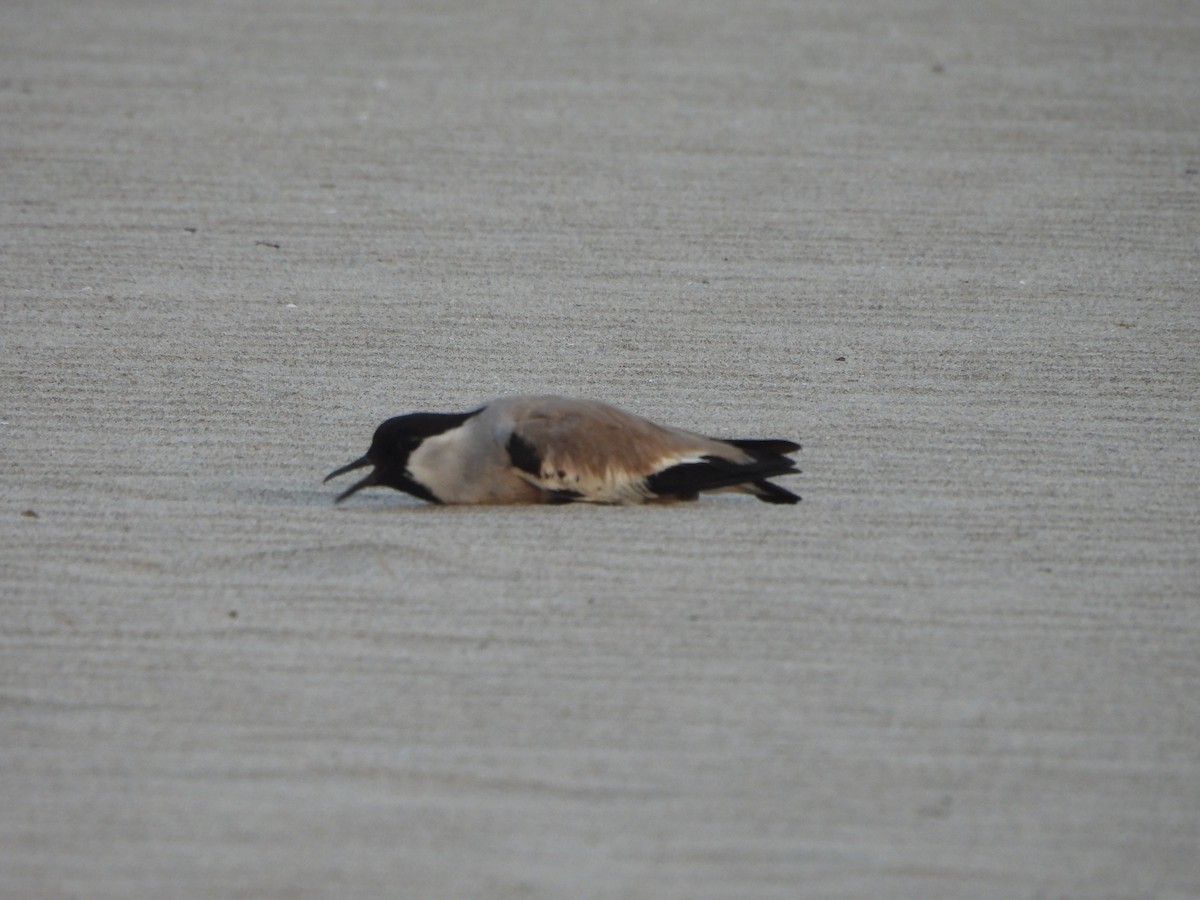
952, 248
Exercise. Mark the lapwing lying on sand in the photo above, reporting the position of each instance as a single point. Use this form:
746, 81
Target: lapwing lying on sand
559, 450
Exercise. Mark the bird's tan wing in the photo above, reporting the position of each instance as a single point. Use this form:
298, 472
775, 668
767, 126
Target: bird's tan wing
581, 450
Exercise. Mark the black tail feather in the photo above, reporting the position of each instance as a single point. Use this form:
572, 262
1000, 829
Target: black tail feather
761, 448
689, 479
773, 493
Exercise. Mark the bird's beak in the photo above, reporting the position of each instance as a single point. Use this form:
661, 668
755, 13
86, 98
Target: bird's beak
358, 485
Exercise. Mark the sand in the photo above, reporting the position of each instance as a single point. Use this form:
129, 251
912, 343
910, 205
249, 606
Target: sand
953, 251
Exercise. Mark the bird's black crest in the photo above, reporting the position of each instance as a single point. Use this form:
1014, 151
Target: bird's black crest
425, 424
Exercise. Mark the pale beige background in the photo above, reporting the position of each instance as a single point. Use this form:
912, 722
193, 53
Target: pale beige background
951, 247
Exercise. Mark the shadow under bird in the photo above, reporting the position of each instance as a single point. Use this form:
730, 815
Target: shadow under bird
560, 450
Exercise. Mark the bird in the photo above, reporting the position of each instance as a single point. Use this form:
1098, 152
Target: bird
551, 449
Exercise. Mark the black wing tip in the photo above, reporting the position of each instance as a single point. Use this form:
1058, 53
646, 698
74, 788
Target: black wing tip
773, 493
758, 447
714, 473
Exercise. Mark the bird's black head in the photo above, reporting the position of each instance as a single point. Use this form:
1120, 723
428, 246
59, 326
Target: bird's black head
393, 443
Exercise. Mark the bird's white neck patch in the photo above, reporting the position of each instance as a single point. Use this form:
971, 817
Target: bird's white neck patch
438, 464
